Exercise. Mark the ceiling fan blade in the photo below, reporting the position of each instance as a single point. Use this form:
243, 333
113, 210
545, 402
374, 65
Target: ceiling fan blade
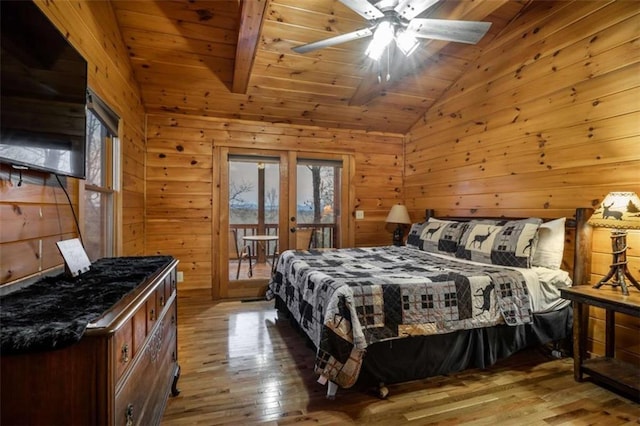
450, 30
327, 42
409, 9
363, 8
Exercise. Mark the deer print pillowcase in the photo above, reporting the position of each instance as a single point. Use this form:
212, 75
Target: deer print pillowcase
413, 239
442, 236
510, 243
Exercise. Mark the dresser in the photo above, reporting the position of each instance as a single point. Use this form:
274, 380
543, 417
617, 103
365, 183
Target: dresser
120, 372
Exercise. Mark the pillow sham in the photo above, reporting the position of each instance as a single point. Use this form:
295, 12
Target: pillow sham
508, 244
477, 241
413, 239
550, 248
442, 236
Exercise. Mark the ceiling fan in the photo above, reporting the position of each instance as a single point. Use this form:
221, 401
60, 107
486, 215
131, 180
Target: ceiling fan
396, 20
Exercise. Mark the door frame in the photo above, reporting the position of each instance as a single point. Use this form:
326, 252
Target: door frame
247, 287
220, 288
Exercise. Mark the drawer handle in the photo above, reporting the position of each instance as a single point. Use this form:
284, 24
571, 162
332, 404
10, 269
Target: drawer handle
128, 415
152, 314
161, 300
125, 353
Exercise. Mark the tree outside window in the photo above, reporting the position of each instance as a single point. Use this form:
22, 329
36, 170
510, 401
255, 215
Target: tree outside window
99, 194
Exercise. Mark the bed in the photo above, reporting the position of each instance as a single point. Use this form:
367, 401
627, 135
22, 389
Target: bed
460, 294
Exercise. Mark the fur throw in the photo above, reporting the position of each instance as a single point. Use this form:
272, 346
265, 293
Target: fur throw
55, 311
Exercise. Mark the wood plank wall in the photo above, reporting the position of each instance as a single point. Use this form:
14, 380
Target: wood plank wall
34, 213
180, 180
545, 121
34, 216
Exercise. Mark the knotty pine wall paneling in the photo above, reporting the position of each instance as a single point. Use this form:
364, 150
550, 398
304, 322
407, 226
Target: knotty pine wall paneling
546, 120
36, 214
180, 185
33, 216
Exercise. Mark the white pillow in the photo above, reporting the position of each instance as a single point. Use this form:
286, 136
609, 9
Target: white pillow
550, 247
435, 220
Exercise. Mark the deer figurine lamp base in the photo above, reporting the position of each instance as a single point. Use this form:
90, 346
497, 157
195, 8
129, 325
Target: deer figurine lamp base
397, 235
619, 269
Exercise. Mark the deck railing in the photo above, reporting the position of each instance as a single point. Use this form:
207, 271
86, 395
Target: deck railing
324, 236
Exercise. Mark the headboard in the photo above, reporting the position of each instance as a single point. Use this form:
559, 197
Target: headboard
577, 251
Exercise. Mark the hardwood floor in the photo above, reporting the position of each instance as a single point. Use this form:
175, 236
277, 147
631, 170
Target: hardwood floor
260, 270
241, 365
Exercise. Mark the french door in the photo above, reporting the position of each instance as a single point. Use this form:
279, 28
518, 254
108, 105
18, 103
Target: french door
267, 201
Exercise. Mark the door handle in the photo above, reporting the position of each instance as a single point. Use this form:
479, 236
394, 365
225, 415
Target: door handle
293, 230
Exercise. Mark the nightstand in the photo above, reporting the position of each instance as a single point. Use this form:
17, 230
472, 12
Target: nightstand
619, 375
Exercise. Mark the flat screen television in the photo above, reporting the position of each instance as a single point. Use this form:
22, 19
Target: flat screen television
43, 94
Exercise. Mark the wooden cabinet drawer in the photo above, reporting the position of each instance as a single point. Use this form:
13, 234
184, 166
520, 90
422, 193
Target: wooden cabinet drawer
174, 280
161, 296
139, 329
123, 348
148, 384
164, 367
131, 399
169, 284
152, 310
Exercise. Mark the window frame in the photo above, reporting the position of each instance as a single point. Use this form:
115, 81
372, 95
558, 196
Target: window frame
110, 231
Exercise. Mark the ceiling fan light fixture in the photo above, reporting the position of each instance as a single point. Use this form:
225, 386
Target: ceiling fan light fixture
382, 36
397, 21
406, 42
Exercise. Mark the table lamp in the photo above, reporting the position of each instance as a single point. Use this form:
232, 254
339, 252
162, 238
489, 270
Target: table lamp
619, 211
400, 216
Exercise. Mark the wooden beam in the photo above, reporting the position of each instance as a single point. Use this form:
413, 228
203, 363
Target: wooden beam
371, 87
248, 37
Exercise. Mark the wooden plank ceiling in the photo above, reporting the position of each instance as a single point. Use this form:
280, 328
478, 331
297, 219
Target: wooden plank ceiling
233, 59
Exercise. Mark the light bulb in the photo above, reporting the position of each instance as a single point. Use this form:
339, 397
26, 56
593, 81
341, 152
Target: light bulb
381, 38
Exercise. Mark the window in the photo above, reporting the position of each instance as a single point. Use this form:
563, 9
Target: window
102, 180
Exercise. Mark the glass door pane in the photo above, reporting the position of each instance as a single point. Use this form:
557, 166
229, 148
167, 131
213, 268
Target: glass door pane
318, 200
254, 206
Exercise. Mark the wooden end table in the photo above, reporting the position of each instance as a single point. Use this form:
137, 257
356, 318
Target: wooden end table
619, 375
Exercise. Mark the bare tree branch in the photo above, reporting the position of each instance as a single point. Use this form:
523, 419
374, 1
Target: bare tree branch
237, 189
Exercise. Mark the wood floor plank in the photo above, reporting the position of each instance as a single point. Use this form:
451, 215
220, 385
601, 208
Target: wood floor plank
242, 364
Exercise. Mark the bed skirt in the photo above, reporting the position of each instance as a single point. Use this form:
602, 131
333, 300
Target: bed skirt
394, 361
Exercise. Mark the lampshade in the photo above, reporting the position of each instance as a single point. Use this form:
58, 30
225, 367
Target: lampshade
618, 210
398, 214
406, 42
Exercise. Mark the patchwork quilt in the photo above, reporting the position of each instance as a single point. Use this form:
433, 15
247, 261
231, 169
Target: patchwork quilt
346, 299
